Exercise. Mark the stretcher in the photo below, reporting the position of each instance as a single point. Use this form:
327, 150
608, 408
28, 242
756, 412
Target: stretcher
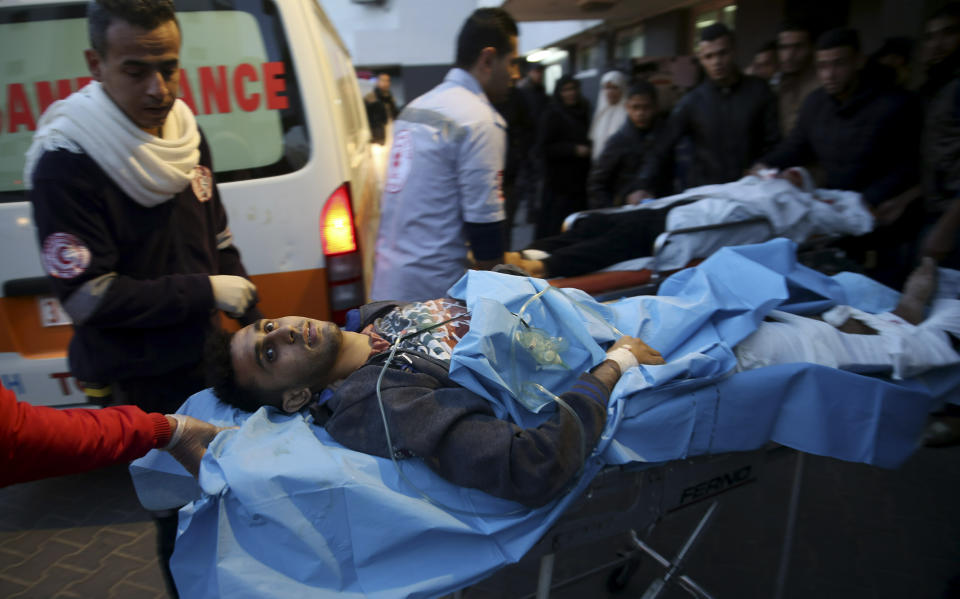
642, 275
716, 217
282, 510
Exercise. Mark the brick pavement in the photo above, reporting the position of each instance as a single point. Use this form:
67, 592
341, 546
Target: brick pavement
77, 537
862, 533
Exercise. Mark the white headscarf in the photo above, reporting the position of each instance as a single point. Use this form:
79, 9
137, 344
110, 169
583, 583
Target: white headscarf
608, 117
149, 169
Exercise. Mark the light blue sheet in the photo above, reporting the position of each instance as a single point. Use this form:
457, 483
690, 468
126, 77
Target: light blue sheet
286, 512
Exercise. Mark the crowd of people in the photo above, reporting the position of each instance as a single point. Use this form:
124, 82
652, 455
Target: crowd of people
883, 125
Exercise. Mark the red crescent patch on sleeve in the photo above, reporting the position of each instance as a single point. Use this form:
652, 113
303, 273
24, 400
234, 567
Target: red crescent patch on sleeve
202, 183
65, 256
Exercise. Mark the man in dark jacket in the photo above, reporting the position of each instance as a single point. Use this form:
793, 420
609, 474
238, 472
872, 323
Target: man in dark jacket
798, 76
941, 94
532, 90
381, 108
731, 119
132, 231
622, 156
863, 136
294, 362
530, 172
521, 135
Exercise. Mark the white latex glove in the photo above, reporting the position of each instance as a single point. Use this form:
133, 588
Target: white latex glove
233, 294
190, 440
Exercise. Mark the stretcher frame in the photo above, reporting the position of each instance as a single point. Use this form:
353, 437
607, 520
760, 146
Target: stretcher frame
613, 284
633, 499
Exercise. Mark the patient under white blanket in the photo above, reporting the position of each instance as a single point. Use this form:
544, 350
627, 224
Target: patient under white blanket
903, 348
788, 204
905, 342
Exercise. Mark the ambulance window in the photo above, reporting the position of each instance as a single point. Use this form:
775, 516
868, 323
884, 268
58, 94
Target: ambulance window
237, 76
348, 100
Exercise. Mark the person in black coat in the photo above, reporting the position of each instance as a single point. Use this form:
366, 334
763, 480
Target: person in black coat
623, 154
529, 177
521, 135
730, 118
381, 109
564, 145
865, 136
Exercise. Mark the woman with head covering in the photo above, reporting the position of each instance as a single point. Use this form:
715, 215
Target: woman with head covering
611, 110
564, 147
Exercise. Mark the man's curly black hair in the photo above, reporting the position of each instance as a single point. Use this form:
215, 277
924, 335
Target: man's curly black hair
218, 365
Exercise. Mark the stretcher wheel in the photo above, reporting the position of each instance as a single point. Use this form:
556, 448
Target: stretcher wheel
620, 576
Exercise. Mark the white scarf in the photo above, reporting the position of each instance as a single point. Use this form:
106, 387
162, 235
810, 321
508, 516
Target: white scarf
149, 169
608, 118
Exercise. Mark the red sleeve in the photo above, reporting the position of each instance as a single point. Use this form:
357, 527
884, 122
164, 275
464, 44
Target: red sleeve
39, 442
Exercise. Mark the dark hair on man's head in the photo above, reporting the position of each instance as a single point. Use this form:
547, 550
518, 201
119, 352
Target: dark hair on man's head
485, 28
148, 14
950, 10
797, 25
901, 46
218, 367
643, 88
843, 37
564, 80
526, 66
770, 46
713, 32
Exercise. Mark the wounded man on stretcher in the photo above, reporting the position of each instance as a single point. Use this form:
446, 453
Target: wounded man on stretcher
786, 201
353, 383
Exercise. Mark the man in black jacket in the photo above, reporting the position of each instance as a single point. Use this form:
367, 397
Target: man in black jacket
381, 108
622, 156
863, 135
131, 228
293, 362
731, 119
941, 94
132, 232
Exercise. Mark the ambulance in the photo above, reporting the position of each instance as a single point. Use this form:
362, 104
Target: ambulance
276, 94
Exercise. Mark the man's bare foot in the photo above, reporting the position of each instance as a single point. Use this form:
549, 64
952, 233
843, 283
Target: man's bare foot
514, 258
534, 267
917, 292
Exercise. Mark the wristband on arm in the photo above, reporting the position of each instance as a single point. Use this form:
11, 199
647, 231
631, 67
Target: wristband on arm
623, 357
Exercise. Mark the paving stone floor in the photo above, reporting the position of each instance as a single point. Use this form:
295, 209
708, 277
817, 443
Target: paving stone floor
861, 532
81, 536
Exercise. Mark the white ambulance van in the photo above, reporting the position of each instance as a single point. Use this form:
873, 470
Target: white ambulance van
276, 95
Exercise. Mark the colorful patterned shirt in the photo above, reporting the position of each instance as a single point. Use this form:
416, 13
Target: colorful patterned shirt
438, 342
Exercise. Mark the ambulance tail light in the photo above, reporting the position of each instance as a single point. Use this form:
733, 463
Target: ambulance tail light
338, 234
336, 224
